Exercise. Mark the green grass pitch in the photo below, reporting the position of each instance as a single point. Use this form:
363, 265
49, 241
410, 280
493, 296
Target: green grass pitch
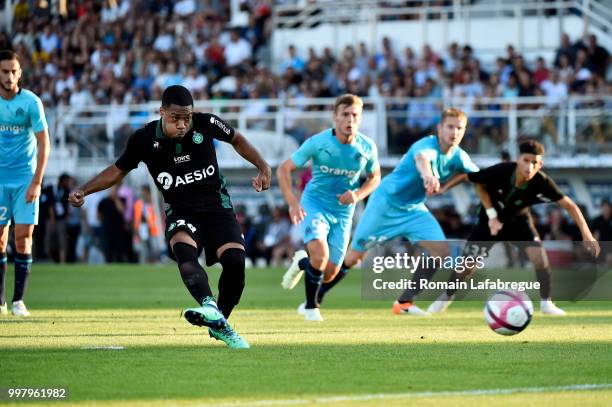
361, 355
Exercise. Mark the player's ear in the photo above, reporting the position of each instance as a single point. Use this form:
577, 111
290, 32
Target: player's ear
540, 164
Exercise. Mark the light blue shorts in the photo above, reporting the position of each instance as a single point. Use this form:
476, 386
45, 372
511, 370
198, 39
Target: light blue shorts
335, 228
13, 205
381, 222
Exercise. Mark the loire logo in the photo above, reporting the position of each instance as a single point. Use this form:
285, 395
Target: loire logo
337, 171
220, 125
182, 159
167, 181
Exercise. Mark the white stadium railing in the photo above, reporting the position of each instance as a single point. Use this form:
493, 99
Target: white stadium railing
577, 131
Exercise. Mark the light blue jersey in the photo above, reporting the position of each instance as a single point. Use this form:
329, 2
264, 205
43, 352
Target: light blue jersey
397, 208
404, 188
336, 168
20, 118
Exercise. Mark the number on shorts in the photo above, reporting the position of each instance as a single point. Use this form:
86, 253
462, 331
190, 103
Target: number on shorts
3, 211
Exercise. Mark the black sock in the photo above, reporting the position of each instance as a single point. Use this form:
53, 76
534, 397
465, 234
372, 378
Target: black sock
23, 265
302, 264
325, 287
231, 282
420, 273
544, 278
193, 275
3, 260
312, 282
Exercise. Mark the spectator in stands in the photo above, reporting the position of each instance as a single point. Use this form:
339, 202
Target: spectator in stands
238, 51
56, 239
110, 213
146, 230
602, 225
598, 58
292, 60
276, 243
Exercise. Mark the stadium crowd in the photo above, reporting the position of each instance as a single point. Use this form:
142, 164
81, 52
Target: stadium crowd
124, 52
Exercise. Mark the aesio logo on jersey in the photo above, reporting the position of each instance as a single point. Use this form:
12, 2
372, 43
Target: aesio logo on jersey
337, 171
220, 124
167, 181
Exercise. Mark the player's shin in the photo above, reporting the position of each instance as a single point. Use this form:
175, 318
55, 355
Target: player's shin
231, 282
544, 278
23, 265
193, 275
312, 282
325, 287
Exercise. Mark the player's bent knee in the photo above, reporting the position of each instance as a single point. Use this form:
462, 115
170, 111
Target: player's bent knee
226, 246
182, 237
185, 252
319, 262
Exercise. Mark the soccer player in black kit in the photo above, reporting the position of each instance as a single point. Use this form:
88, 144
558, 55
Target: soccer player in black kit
180, 156
506, 191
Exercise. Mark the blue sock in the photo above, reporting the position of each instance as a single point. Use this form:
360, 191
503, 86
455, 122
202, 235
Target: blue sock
3, 260
23, 264
325, 287
312, 282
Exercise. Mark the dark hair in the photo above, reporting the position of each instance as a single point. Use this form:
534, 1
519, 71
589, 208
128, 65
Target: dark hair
505, 156
531, 147
8, 55
177, 95
64, 177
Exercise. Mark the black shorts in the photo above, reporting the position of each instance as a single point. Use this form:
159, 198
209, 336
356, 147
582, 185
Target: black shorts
210, 230
520, 231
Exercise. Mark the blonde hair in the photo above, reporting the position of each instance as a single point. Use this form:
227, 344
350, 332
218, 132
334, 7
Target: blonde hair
453, 112
348, 100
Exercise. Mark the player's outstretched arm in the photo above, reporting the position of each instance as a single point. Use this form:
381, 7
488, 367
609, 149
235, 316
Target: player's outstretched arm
106, 179
431, 183
454, 181
283, 173
494, 223
590, 243
262, 181
42, 157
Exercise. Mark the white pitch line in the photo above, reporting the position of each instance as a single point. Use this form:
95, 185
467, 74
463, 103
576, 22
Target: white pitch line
423, 394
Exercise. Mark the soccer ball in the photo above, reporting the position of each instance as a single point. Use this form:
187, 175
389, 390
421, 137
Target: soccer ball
508, 312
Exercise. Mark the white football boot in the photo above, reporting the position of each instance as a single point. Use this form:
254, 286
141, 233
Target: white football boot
293, 274
301, 309
4, 309
549, 308
440, 304
19, 309
312, 314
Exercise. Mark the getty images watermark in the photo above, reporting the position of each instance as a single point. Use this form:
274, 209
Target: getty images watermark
475, 269
460, 264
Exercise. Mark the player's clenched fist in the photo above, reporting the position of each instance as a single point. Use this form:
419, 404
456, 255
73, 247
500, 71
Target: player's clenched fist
348, 198
431, 184
77, 198
262, 181
296, 213
495, 226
